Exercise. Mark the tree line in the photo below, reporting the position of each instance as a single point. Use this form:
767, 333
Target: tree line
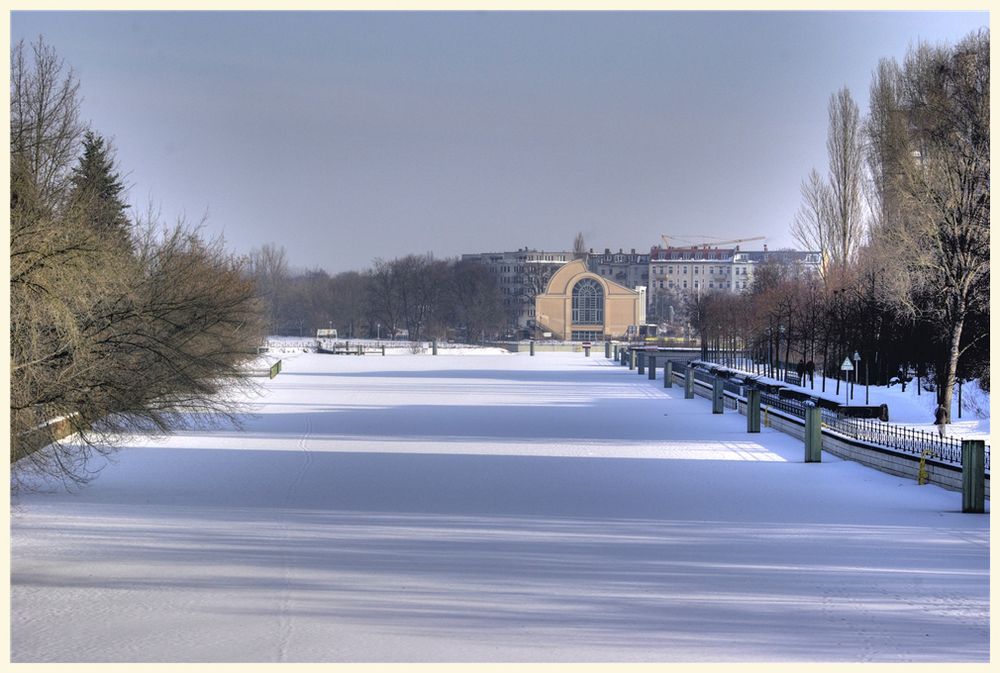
416, 296
118, 322
902, 217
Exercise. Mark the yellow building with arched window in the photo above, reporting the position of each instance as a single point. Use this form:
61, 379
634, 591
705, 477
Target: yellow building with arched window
579, 305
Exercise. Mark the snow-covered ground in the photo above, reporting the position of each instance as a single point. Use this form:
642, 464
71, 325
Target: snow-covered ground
492, 508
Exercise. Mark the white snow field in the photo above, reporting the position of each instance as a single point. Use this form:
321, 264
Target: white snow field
492, 508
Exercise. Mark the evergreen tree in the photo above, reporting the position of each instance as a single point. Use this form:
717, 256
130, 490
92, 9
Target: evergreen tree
96, 189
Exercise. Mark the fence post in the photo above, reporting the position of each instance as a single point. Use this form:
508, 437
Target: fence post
668, 374
974, 476
652, 367
753, 410
631, 359
689, 383
717, 397
813, 433
531, 348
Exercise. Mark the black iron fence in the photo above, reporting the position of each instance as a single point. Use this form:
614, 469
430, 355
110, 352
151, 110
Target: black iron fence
897, 437
900, 438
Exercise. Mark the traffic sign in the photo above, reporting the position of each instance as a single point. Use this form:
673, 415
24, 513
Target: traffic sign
847, 366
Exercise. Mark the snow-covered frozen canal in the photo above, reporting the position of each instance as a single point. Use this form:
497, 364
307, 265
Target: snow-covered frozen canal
492, 508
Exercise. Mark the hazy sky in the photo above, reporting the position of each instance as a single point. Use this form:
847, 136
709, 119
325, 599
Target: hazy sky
350, 136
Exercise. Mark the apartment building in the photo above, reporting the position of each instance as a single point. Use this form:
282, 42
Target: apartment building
675, 272
522, 275
630, 269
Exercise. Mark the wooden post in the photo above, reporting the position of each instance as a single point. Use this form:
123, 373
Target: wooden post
689, 383
631, 359
531, 348
383, 349
668, 374
642, 362
607, 349
652, 367
974, 476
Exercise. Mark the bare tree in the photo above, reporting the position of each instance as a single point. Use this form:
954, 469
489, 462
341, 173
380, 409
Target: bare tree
811, 226
106, 333
476, 297
579, 247
939, 181
45, 127
845, 146
268, 266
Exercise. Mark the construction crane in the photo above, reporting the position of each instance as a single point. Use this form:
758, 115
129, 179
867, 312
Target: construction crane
701, 243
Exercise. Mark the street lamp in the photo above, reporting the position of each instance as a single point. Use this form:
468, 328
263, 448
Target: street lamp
378, 331
857, 360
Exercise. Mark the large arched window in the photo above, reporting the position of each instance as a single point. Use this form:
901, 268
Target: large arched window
588, 303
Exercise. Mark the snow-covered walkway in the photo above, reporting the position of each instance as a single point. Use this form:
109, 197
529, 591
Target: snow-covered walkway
493, 508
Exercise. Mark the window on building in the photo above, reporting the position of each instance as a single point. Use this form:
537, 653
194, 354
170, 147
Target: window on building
588, 302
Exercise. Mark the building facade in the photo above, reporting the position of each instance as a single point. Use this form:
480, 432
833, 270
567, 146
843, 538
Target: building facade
676, 272
580, 305
630, 269
522, 275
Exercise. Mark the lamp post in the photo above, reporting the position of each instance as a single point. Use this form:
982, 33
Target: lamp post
857, 360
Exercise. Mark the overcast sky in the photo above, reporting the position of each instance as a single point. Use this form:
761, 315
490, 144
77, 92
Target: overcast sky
350, 136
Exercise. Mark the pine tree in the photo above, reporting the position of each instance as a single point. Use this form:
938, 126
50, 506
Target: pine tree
96, 189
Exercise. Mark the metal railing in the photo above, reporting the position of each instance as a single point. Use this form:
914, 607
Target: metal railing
896, 437
900, 438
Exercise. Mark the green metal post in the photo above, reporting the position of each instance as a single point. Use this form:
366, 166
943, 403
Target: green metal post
974, 476
753, 410
814, 433
718, 403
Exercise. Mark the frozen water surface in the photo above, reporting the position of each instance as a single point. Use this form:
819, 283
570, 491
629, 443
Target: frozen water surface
492, 508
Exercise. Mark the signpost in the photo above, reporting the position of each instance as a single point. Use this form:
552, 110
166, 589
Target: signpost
846, 367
